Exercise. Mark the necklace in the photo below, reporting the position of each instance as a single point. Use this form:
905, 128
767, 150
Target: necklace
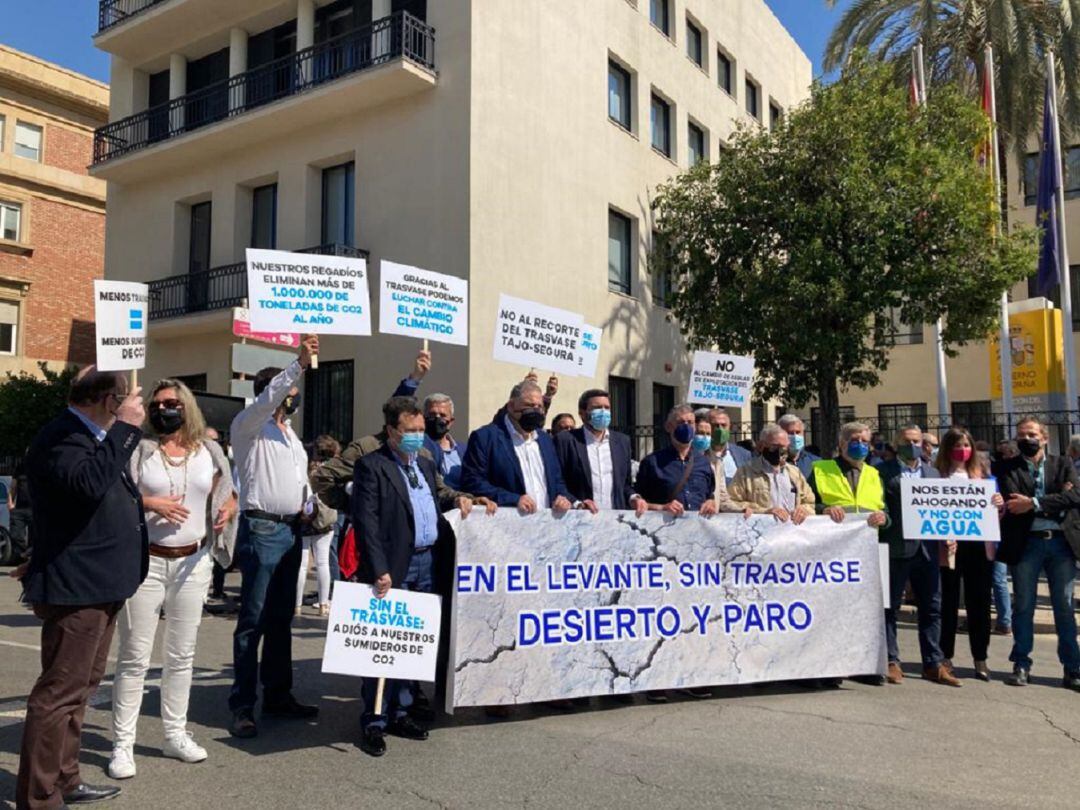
168, 462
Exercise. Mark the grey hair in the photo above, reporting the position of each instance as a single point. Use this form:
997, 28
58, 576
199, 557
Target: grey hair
770, 430
525, 387
1074, 443
904, 429
702, 414
438, 399
850, 429
789, 420
676, 412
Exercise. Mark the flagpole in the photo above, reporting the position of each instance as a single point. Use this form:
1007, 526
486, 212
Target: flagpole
1063, 250
1004, 340
939, 347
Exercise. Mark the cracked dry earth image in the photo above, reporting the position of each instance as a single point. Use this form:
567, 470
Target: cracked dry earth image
492, 666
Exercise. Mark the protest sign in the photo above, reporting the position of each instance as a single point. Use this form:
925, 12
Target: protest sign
307, 293
393, 637
552, 607
120, 316
241, 327
538, 336
720, 379
589, 350
949, 509
418, 303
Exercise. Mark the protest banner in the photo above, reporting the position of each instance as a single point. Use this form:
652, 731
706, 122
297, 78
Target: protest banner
393, 637
538, 336
552, 607
307, 293
720, 379
120, 316
589, 351
241, 327
421, 304
949, 509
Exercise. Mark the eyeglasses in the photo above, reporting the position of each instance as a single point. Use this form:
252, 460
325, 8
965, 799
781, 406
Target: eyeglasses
171, 404
414, 479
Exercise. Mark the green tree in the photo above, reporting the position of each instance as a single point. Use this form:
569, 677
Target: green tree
796, 244
27, 403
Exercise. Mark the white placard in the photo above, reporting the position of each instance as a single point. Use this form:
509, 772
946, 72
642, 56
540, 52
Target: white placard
307, 293
589, 351
538, 336
949, 509
720, 379
393, 637
120, 315
419, 303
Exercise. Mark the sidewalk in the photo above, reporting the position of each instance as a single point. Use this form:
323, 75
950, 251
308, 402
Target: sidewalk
1044, 615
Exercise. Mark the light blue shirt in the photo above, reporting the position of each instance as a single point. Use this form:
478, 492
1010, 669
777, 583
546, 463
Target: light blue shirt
911, 472
1041, 524
98, 431
451, 465
425, 517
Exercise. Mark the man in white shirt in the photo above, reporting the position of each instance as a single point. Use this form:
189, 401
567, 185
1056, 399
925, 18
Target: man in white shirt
272, 471
595, 461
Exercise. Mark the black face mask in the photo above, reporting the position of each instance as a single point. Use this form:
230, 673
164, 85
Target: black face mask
436, 427
166, 420
1029, 448
291, 404
532, 419
774, 455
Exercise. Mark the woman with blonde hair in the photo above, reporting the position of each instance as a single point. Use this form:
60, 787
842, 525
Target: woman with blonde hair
191, 507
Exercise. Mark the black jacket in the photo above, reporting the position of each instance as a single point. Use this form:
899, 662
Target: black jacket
893, 532
1059, 503
90, 543
573, 455
383, 519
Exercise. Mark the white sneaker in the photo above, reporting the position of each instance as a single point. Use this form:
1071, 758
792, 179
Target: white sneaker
122, 763
184, 748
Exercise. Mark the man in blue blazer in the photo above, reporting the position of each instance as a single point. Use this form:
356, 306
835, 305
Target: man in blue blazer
595, 461
512, 461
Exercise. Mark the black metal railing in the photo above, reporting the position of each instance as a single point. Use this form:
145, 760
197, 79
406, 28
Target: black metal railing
218, 287
113, 12
399, 36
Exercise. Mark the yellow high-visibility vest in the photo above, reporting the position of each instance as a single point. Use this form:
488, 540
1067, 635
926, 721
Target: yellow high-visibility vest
834, 490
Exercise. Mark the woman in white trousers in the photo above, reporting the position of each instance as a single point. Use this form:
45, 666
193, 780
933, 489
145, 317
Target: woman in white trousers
191, 508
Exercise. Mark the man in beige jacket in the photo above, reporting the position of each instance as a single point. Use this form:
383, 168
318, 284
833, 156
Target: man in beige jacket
769, 484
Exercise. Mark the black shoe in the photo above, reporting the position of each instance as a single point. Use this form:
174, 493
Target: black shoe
85, 794
829, 683
373, 742
1019, 677
421, 709
870, 680
1071, 680
407, 728
290, 707
243, 724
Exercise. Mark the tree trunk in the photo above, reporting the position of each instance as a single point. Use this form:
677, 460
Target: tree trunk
829, 407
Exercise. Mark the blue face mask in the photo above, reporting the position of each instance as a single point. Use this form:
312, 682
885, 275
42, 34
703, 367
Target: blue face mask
857, 450
683, 433
411, 443
798, 441
702, 443
600, 418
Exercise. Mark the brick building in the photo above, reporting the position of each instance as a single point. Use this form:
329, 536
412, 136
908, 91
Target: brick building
52, 213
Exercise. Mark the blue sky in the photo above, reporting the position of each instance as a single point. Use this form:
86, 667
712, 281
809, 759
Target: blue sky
60, 30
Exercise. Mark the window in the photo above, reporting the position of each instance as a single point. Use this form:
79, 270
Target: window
776, 115
619, 98
198, 289
337, 205
752, 105
1070, 175
9, 327
623, 403
663, 400
725, 73
28, 141
196, 382
904, 334
10, 220
660, 118
1055, 294
619, 235
696, 144
977, 417
658, 15
264, 217
328, 401
893, 417
695, 44
661, 279
817, 427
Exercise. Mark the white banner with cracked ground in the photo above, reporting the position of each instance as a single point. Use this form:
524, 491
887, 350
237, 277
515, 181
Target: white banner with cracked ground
548, 608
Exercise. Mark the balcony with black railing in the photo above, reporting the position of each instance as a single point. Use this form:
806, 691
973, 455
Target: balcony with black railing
114, 12
400, 36
217, 288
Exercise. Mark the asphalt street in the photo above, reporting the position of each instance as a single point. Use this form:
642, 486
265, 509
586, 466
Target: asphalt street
917, 744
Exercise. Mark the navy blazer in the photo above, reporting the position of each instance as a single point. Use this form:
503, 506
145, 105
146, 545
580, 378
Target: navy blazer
901, 548
90, 543
577, 471
491, 469
805, 463
1061, 502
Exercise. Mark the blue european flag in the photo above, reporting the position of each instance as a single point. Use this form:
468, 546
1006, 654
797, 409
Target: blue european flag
1048, 276
136, 318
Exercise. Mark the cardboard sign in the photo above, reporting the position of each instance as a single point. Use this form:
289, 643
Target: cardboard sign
949, 509
589, 351
393, 637
538, 336
121, 312
307, 293
418, 303
720, 379
241, 327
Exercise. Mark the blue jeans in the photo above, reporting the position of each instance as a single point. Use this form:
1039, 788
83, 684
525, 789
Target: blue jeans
397, 695
1056, 558
1002, 601
268, 556
922, 571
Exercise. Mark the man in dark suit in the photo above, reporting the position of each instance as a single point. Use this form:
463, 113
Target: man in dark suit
914, 561
798, 454
90, 554
401, 531
1040, 531
512, 461
595, 461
